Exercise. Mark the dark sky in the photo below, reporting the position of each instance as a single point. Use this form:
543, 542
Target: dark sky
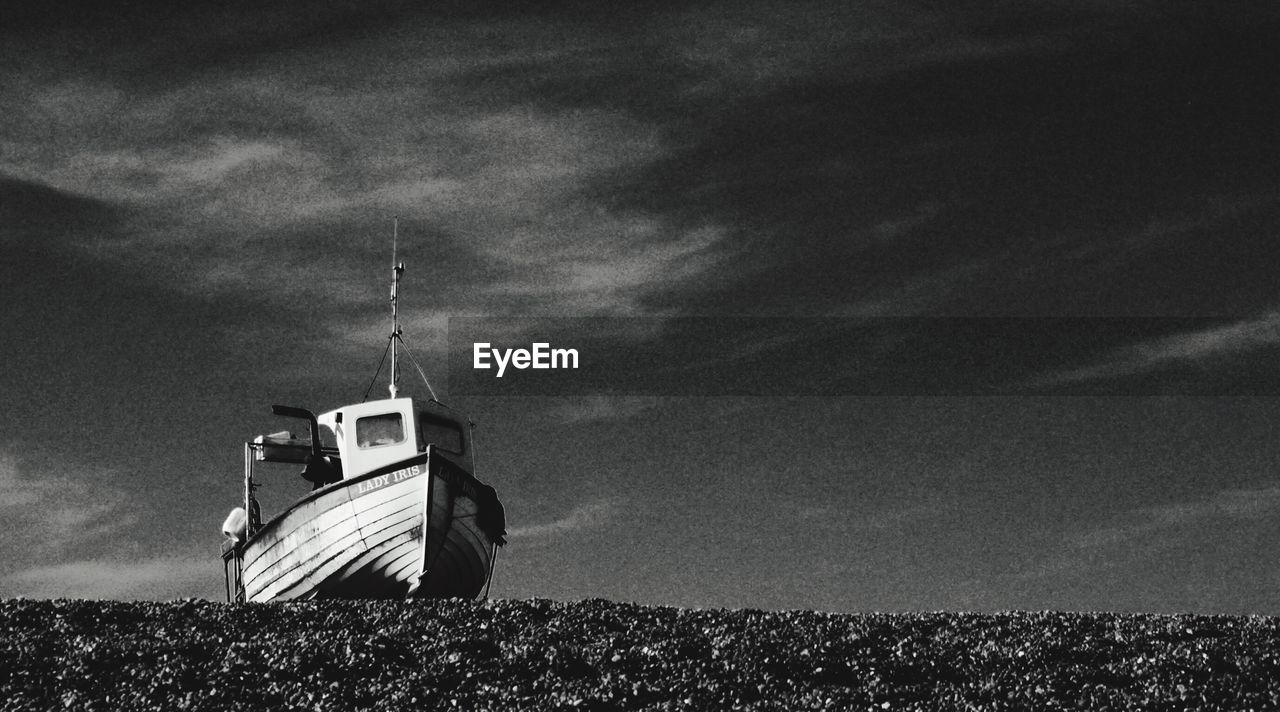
195, 216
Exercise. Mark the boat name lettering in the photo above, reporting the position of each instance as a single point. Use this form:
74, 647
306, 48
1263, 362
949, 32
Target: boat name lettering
374, 483
541, 356
406, 473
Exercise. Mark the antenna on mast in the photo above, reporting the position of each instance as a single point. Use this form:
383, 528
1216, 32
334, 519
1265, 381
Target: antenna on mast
397, 269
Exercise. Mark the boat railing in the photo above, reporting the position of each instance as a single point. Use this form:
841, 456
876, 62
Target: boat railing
233, 570
233, 548
264, 448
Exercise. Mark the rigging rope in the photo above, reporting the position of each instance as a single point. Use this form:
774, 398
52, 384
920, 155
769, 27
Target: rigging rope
375, 373
414, 361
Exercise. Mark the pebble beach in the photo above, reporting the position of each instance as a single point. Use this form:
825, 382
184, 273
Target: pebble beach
601, 655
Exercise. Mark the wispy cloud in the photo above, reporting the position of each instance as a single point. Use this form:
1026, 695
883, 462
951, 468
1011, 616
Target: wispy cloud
754, 46
1139, 533
1191, 347
592, 409
49, 514
150, 579
15, 491
591, 515
830, 518
1169, 524
510, 186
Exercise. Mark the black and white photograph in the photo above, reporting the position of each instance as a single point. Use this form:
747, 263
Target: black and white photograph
826, 355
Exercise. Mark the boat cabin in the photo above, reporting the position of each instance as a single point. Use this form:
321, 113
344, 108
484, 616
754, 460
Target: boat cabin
378, 433
363, 437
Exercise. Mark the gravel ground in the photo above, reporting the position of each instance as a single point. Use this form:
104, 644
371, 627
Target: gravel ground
599, 655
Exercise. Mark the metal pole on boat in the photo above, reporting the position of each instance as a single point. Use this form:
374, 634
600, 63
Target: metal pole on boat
397, 269
235, 587
248, 491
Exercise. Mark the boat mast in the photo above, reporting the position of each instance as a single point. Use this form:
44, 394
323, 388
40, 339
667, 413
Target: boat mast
397, 269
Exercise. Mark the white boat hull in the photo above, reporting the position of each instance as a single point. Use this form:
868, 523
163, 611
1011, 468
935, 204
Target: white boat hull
372, 537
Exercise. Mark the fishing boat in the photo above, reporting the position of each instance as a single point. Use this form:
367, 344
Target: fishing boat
395, 509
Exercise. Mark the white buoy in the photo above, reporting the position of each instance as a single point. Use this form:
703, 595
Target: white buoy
236, 523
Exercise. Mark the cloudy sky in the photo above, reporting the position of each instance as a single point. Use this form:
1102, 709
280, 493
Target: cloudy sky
195, 215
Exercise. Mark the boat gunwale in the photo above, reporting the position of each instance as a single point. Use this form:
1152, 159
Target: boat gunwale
342, 484
483, 493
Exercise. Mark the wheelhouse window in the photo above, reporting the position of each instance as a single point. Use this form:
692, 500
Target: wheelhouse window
443, 433
379, 430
